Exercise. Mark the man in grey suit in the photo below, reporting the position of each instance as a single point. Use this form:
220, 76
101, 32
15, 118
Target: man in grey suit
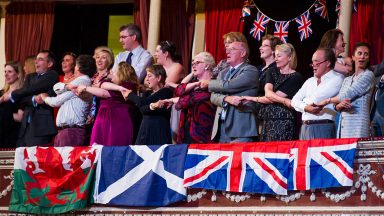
234, 121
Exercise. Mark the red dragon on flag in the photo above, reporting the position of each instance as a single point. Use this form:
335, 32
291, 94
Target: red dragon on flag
52, 180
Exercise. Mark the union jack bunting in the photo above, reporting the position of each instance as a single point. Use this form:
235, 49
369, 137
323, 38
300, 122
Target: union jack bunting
246, 11
251, 167
281, 30
259, 26
304, 26
321, 8
321, 163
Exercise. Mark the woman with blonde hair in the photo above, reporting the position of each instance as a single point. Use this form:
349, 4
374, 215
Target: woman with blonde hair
10, 113
113, 124
281, 85
29, 65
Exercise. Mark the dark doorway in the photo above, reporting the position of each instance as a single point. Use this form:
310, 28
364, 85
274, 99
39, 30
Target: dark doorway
80, 28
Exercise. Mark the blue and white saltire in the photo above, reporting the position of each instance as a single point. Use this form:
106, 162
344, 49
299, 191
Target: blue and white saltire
140, 175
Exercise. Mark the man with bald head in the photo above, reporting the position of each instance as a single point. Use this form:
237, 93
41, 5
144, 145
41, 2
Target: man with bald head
326, 83
234, 121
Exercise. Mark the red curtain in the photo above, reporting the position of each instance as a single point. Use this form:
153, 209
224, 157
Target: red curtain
221, 17
28, 29
177, 24
367, 25
141, 17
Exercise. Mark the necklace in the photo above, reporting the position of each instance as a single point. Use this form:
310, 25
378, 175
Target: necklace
69, 77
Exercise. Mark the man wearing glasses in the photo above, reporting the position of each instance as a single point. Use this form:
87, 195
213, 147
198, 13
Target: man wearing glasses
134, 54
234, 121
37, 125
318, 121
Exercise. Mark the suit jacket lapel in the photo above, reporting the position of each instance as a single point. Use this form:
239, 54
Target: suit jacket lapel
236, 71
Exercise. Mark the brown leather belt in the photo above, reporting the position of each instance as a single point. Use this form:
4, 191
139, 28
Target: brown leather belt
324, 121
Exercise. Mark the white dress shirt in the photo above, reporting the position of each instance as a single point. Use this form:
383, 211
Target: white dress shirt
311, 93
141, 59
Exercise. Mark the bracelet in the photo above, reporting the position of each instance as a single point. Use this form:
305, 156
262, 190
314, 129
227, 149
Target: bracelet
257, 99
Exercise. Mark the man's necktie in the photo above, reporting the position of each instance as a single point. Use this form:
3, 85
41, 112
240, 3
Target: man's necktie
229, 74
129, 58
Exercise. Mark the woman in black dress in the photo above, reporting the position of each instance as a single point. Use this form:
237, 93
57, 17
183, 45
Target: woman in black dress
155, 126
281, 85
10, 113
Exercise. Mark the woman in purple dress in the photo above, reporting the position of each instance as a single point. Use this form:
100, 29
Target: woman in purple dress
113, 125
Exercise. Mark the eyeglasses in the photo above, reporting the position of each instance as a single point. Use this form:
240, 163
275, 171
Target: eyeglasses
125, 36
232, 49
196, 62
317, 64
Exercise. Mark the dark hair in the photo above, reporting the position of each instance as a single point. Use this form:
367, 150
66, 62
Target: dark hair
274, 41
73, 55
361, 44
50, 57
158, 70
329, 56
329, 38
86, 64
170, 47
132, 30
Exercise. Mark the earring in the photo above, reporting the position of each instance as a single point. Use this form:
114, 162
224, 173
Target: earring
206, 68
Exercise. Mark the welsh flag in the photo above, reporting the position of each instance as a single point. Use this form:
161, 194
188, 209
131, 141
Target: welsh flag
52, 180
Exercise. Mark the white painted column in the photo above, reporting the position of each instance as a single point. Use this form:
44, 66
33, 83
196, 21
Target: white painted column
154, 25
345, 22
2, 42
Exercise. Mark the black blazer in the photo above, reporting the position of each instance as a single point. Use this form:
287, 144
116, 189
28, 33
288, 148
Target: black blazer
41, 124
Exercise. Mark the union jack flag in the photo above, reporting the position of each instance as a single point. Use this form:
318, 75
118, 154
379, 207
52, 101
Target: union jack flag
321, 8
281, 30
259, 25
321, 163
252, 167
304, 27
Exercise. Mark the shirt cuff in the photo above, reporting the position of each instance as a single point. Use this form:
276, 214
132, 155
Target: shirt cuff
34, 102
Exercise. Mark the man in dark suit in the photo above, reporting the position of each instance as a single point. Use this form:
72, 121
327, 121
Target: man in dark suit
37, 124
234, 121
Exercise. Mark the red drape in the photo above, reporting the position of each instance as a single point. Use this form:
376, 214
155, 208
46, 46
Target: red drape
221, 17
367, 25
141, 17
28, 29
177, 24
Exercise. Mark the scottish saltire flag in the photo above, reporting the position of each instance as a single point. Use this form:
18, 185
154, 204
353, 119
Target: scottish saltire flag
281, 30
304, 26
259, 26
321, 8
321, 163
52, 180
246, 167
141, 175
